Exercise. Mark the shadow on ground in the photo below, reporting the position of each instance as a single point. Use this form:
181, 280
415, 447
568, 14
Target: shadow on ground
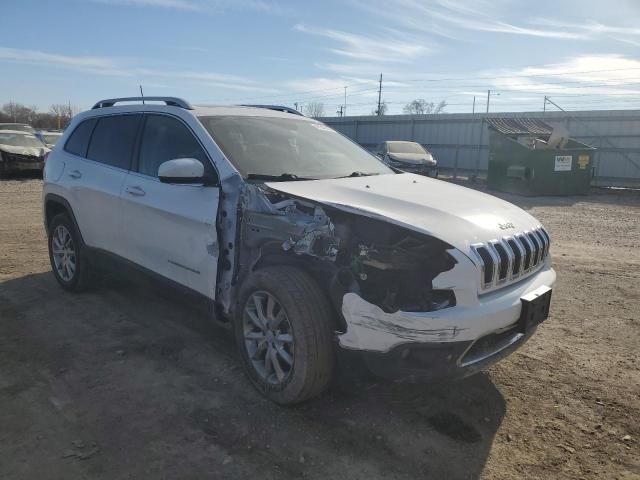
21, 175
133, 381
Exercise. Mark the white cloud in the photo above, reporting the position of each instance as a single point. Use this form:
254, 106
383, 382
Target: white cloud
121, 67
329, 85
203, 5
360, 47
589, 27
175, 4
449, 17
602, 75
101, 65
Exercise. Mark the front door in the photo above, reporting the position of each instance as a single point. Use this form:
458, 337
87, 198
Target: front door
170, 229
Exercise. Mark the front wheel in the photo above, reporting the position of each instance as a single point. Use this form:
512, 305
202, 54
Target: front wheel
283, 329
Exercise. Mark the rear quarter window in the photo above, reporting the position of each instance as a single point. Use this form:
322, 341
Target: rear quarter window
79, 139
113, 139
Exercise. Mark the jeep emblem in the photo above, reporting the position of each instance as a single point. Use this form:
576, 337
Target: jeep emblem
506, 226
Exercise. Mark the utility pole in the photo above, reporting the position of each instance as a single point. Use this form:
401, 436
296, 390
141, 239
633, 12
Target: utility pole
295, 104
345, 100
379, 95
488, 98
341, 111
555, 104
473, 109
544, 105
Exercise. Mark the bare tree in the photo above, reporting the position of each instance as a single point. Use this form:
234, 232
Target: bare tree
10, 109
383, 109
420, 106
314, 109
58, 117
63, 113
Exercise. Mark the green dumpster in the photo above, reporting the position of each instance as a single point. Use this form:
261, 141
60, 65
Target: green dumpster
527, 157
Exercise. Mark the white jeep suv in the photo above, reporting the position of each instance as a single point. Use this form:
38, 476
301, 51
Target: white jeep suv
308, 246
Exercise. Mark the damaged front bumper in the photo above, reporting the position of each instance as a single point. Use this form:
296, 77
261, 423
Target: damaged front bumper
453, 342
11, 162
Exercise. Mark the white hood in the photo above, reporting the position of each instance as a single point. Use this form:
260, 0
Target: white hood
33, 151
460, 216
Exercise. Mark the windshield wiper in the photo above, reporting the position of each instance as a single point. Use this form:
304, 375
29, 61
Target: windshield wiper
283, 177
360, 174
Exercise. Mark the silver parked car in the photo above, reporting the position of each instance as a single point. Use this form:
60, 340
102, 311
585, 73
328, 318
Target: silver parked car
409, 157
48, 138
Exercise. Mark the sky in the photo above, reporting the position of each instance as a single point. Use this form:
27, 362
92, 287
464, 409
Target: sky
581, 54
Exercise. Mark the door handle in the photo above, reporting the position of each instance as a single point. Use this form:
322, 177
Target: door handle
75, 174
136, 191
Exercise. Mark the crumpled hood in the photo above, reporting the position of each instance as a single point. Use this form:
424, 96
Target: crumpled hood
460, 216
413, 158
33, 151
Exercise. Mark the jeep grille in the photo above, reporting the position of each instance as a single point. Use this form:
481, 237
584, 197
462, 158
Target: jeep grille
512, 257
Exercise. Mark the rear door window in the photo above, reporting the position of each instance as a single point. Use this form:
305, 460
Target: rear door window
79, 139
166, 138
113, 140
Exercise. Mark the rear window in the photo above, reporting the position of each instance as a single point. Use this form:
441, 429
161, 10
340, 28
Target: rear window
112, 140
405, 147
79, 139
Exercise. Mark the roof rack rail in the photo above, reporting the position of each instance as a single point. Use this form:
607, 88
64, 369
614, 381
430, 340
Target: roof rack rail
279, 108
171, 101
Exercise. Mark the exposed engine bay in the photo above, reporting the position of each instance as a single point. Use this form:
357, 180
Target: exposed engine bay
387, 265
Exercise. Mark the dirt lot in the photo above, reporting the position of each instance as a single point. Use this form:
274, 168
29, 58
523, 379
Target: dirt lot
132, 382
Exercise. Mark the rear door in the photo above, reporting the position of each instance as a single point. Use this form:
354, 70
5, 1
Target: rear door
101, 156
171, 228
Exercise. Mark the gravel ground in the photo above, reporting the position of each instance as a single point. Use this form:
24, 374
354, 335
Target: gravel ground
132, 382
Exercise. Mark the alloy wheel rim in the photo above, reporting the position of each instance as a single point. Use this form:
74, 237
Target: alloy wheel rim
268, 338
64, 253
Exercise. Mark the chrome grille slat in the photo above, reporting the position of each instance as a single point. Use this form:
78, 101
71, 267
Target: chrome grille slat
543, 242
505, 260
520, 247
536, 248
496, 261
528, 246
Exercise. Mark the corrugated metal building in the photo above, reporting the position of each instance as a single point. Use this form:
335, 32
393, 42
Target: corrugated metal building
460, 142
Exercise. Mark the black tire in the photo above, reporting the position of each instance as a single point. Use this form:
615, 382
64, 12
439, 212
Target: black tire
80, 281
312, 325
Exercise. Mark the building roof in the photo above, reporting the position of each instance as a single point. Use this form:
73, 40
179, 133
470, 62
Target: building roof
520, 126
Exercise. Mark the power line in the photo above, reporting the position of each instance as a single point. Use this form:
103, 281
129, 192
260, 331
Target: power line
296, 93
521, 76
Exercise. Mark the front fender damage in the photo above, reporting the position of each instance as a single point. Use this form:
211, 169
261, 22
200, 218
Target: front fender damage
370, 269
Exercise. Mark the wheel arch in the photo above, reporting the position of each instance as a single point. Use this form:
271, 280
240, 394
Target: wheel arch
271, 255
54, 205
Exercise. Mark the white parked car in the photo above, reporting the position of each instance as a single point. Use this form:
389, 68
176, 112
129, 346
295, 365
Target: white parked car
48, 138
306, 244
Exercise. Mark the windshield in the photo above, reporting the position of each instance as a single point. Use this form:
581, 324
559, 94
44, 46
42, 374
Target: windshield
19, 140
405, 147
268, 146
51, 139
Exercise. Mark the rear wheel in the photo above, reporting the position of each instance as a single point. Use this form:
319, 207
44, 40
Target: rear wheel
283, 330
68, 262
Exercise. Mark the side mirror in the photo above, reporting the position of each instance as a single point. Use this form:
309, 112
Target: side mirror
181, 170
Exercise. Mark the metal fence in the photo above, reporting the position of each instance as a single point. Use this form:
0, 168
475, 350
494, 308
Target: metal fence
460, 142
